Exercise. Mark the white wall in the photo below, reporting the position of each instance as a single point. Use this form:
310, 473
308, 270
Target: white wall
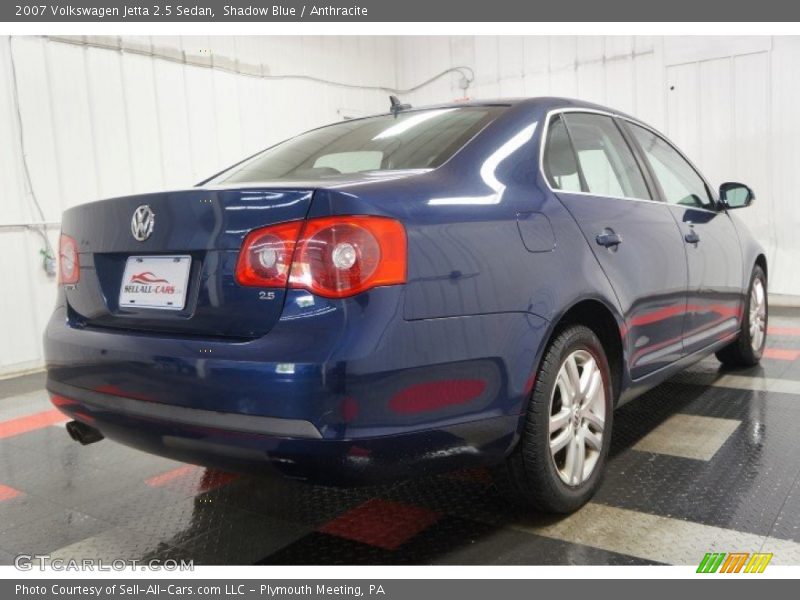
143, 113
730, 103
101, 122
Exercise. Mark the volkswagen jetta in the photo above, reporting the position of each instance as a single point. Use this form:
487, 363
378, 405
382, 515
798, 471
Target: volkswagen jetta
479, 283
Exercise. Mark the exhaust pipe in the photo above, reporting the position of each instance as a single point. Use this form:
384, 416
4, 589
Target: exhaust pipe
82, 433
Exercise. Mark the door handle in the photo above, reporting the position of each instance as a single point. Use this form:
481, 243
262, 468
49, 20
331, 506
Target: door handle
609, 239
691, 237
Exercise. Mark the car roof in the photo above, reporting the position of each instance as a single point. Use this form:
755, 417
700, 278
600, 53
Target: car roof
549, 102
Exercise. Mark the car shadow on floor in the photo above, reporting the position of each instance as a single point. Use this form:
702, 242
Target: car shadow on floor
454, 518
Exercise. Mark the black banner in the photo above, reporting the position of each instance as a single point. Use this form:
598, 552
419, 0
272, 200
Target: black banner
46, 11
390, 589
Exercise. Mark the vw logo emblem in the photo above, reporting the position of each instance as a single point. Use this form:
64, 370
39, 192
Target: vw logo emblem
142, 222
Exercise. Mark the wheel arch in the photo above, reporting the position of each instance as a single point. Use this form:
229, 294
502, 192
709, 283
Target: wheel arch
606, 324
761, 261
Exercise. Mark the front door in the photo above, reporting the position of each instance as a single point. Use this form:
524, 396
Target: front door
712, 246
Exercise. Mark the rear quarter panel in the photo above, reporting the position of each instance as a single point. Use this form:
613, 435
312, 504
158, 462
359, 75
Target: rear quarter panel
485, 234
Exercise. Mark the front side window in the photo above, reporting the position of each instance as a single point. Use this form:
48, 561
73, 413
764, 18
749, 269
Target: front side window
414, 139
679, 181
606, 161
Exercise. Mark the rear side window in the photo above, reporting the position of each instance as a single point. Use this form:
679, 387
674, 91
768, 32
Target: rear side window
679, 181
416, 139
605, 159
560, 164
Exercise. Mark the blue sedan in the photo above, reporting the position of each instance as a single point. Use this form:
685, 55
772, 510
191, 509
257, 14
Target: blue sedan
471, 284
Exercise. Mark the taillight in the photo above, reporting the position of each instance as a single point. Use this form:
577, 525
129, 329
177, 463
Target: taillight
342, 256
267, 255
69, 269
335, 257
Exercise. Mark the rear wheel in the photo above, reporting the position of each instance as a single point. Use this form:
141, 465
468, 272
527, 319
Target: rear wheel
559, 461
747, 349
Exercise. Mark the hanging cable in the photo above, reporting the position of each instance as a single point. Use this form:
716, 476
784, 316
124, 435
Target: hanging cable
467, 74
460, 70
48, 255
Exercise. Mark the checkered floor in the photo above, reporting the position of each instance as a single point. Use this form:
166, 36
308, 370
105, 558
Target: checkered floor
709, 461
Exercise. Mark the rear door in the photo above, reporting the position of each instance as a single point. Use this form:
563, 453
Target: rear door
594, 172
712, 244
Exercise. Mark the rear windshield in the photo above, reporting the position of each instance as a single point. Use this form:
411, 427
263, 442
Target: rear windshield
419, 139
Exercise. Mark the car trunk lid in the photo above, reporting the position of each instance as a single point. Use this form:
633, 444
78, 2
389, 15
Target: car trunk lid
175, 254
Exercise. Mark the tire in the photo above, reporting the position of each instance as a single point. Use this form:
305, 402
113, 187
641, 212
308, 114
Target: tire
746, 350
532, 475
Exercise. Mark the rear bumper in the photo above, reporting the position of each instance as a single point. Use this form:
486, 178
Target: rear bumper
335, 392
99, 404
233, 444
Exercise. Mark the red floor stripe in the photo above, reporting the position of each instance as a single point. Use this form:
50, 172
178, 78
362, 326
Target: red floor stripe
781, 354
31, 423
381, 523
216, 479
170, 476
203, 480
778, 330
7, 493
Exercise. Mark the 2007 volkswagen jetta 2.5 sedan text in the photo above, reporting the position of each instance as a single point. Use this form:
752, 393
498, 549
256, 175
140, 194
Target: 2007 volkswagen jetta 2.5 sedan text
472, 284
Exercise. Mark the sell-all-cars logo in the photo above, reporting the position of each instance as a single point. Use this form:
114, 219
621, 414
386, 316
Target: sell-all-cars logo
734, 562
142, 223
148, 283
147, 277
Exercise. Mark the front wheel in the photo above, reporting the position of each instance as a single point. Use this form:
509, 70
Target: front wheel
560, 459
747, 349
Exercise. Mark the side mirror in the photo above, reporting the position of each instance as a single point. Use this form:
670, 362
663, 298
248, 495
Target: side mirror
736, 195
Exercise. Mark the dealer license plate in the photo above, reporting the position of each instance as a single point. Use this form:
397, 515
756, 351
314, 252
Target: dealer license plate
155, 282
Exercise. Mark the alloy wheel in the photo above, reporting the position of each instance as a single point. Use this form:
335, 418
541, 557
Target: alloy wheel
577, 417
758, 314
